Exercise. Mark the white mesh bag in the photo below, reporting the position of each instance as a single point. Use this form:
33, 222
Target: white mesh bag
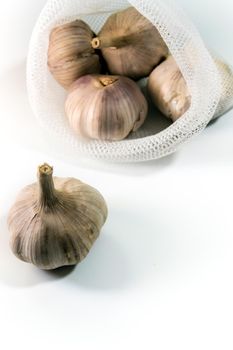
210, 85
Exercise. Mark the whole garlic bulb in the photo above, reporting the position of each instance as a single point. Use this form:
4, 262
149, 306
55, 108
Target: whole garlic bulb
130, 44
168, 89
105, 107
226, 76
56, 221
70, 53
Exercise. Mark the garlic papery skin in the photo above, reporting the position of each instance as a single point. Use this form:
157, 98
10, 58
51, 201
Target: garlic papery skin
105, 107
55, 221
226, 77
70, 53
168, 89
130, 44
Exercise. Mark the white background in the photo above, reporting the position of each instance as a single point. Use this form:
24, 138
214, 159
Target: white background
161, 274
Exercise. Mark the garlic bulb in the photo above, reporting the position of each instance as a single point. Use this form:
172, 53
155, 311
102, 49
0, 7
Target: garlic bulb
168, 89
70, 54
105, 107
56, 221
130, 44
226, 76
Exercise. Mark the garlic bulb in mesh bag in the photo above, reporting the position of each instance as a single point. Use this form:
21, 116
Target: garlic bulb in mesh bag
105, 107
168, 89
130, 44
204, 80
70, 54
170, 94
226, 78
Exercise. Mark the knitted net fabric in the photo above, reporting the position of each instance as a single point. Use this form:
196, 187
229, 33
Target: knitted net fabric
211, 87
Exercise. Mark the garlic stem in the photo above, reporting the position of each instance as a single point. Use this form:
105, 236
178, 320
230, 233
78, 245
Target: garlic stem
47, 191
111, 42
105, 80
95, 43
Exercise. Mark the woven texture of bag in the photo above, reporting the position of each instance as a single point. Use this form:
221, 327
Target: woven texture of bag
210, 85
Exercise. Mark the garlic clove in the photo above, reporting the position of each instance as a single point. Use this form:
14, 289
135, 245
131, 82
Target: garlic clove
168, 89
70, 53
105, 107
130, 44
55, 221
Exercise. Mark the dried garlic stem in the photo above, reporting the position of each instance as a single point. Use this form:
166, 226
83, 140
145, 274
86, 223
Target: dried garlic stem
105, 81
95, 43
111, 42
47, 191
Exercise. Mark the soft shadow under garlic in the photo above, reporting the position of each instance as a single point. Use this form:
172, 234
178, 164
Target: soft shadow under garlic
126, 253
61, 272
107, 266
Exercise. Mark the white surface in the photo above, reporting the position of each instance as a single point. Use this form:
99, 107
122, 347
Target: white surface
160, 276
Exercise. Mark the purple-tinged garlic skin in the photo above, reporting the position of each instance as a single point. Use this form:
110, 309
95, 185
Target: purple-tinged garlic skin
105, 107
130, 44
70, 53
168, 89
55, 221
